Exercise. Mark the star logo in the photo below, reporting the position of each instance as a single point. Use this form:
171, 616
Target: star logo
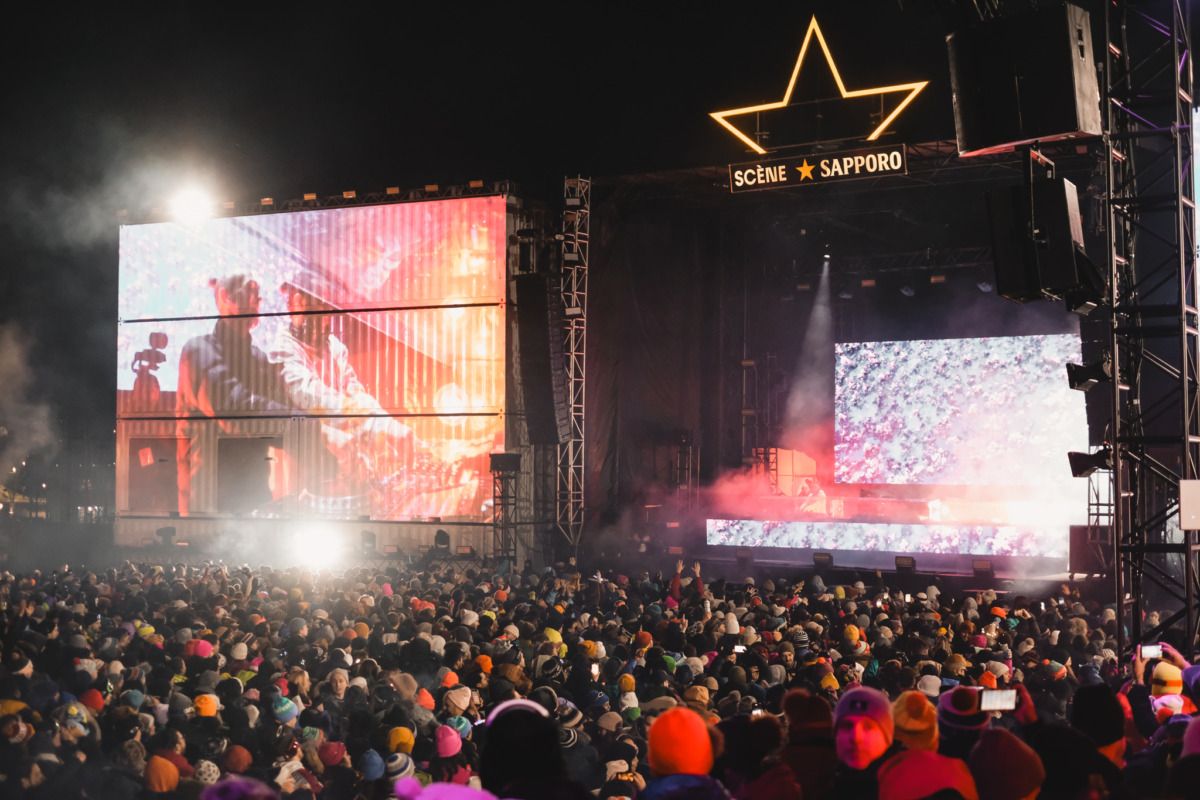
806, 170
814, 32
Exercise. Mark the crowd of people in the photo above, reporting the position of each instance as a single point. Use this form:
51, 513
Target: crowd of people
560, 684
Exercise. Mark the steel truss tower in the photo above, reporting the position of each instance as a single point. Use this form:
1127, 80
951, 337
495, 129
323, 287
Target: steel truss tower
1155, 430
576, 232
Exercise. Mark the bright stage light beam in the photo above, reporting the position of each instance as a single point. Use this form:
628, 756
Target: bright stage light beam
191, 204
316, 546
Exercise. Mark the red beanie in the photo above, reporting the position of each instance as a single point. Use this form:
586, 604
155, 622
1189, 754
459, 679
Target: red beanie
679, 744
93, 700
916, 774
237, 759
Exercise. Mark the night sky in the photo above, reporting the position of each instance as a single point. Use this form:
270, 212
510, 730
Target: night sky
114, 106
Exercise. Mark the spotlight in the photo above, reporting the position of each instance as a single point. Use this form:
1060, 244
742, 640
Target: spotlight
317, 546
982, 568
823, 560
191, 204
985, 287
1083, 377
906, 565
908, 291
1084, 464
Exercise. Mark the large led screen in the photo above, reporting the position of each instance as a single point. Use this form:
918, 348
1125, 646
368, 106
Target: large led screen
978, 412
340, 362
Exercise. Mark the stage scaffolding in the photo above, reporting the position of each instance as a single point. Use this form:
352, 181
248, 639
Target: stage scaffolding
574, 241
1155, 429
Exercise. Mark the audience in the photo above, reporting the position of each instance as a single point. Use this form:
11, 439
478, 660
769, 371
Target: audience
212, 682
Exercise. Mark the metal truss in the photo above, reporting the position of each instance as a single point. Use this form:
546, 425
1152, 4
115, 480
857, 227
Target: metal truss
1155, 431
576, 233
504, 516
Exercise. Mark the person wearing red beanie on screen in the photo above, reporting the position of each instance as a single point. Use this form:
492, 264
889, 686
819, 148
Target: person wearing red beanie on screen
680, 749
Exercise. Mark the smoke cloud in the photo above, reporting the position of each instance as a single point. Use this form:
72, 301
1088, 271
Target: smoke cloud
26, 423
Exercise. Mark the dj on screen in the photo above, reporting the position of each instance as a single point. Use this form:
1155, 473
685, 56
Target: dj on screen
223, 373
319, 379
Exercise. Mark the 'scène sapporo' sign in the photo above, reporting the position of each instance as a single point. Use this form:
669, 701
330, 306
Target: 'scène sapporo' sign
818, 168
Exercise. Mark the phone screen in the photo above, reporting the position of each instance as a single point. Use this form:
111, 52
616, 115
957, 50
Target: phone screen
739, 648
998, 700
595, 671
1151, 651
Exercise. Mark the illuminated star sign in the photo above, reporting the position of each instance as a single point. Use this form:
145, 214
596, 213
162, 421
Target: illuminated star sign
814, 31
806, 169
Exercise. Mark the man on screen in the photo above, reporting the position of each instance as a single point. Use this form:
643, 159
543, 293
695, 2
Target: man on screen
319, 379
221, 375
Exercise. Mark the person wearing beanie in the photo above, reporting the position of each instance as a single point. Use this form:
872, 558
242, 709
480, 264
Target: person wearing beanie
284, 711
162, 777
863, 733
1005, 768
399, 765
371, 765
680, 753
1167, 679
809, 749
960, 720
918, 774
915, 719
401, 740
450, 763
237, 759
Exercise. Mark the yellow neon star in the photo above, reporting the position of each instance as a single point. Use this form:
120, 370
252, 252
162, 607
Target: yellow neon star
814, 29
806, 170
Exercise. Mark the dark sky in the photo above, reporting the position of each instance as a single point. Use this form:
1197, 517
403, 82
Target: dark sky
117, 104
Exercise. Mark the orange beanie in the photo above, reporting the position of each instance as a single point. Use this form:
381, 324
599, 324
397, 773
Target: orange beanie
679, 744
161, 775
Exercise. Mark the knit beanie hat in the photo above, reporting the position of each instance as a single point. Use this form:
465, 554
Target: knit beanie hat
916, 721
401, 740
449, 743
958, 709
425, 699
807, 713
161, 775
1005, 768
207, 772
1097, 714
872, 704
331, 753
679, 744
930, 686
917, 774
239, 651
458, 698
237, 759
626, 683
399, 765
206, 705
370, 764
1168, 679
284, 710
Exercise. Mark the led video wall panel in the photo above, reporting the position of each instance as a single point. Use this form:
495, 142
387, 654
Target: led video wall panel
991, 411
341, 362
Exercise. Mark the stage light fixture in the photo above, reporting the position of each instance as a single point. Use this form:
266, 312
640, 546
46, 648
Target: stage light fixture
845, 294
191, 204
392, 191
983, 568
267, 202
985, 287
823, 560
310, 197
431, 188
937, 279
349, 194
228, 205
1084, 464
867, 283
475, 184
1082, 377
906, 565
908, 291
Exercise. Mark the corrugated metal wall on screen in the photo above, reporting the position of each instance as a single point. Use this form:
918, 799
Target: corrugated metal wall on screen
404, 254
382, 467
428, 361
